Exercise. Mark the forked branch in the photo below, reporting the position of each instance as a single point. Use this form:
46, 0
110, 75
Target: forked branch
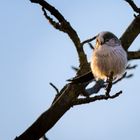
95, 98
69, 94
65, 26
134, 6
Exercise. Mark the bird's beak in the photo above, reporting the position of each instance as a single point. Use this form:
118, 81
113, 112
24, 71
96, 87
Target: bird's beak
99, 40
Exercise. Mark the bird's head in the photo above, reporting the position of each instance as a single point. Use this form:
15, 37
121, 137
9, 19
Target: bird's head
108, 38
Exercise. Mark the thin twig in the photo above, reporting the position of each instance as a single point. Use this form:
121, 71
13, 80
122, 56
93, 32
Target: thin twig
118, 80
56, 89
129, 67
88, 40
129, 76
75, 68
91, 46
95, 98
59, 93
55, 24
65, 27
124, 76
50, 8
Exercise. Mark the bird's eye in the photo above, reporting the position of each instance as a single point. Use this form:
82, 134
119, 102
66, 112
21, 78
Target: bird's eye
106, 40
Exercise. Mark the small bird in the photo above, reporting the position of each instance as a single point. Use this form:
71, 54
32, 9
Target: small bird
108, 56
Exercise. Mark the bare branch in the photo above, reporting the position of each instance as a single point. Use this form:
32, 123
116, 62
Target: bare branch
131, 33
89, 40
56, 89
129, 67
49, 118
65, 27
75, 68
95, 98
133, 5
70, 92
133, 55
91, 46
123, 77
59, 93
50, 8
101, 84
56, 25
129, 76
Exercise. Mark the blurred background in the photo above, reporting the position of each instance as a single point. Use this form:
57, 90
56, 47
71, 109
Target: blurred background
33, 54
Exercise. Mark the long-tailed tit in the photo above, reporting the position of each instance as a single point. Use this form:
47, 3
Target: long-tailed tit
108, 56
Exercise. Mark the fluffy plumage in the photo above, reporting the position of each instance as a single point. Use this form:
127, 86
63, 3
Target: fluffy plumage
108, 56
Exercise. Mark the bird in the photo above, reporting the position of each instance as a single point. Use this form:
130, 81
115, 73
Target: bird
108, 56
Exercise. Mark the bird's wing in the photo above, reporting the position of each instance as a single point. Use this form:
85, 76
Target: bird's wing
83, 78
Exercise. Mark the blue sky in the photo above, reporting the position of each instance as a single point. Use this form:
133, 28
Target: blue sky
33, 54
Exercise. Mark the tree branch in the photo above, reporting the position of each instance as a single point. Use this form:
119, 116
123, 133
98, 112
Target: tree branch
100, 97
129, 67
56, 89
88, 40
64, 26
70, 92
56, 25
133, 55
133, 5
50, 8
95, 98
49, 118
131, 33
133, 29
118, 80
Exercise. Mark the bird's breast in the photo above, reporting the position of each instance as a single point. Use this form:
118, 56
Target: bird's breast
108, 59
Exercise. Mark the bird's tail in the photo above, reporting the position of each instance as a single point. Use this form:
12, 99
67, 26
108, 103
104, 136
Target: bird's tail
82, 79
